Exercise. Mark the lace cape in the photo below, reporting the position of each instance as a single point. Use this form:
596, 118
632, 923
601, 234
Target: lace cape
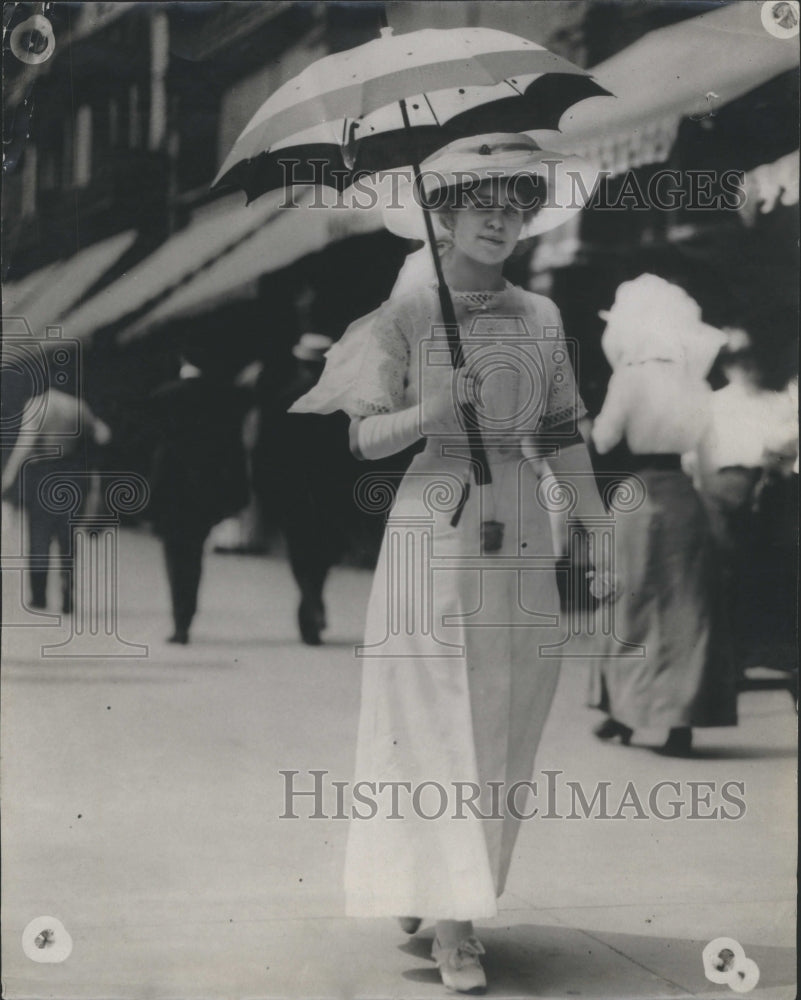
343, 361
365, 371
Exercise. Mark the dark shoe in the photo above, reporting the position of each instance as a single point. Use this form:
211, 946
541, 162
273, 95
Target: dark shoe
181, 636
309, 624
410, 925
678, 743
610, 728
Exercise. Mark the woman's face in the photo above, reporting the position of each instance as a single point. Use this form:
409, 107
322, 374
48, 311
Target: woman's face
487, 232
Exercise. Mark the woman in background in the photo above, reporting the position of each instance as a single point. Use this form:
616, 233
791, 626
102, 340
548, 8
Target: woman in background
743, 473
664, 668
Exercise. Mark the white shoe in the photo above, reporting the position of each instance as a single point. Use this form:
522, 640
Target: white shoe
460, 967
410, 925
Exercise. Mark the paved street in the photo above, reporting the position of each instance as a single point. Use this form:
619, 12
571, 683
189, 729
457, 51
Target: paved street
141, 804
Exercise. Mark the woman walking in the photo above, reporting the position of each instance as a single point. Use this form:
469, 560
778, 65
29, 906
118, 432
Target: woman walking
458, 677
658, 404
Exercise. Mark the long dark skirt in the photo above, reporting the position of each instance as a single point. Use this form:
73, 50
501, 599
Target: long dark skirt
682, 675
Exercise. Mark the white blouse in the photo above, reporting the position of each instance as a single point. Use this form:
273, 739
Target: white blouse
747, 424
386, 361
656, 407
512, 335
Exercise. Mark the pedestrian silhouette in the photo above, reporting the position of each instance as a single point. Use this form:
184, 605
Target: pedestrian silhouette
62, 430
199, 475
302, 474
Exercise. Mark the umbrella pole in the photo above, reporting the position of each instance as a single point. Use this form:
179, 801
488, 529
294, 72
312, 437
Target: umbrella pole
478, 455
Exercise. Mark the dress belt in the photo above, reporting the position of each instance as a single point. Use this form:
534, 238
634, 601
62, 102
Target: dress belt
504, 453
495, 452
665, 460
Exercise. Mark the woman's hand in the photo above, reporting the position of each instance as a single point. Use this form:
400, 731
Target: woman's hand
604, 586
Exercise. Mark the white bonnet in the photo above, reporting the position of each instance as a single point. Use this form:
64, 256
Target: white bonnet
654, 320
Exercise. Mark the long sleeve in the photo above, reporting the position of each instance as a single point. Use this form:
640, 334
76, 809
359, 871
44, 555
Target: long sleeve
564, 405
609, 425
380, 385
365, 372
386, 434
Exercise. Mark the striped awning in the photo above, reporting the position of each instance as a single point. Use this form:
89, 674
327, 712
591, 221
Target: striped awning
688, 69
217, 230
286, 236
45, 296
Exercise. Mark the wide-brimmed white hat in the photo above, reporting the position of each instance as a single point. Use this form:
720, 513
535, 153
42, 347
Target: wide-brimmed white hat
569, 180
654, 320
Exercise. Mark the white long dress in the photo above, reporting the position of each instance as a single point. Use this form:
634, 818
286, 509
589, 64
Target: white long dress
671, 603
457, 679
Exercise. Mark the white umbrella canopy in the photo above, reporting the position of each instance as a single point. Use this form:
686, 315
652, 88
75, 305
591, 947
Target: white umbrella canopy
395, 100
365, 78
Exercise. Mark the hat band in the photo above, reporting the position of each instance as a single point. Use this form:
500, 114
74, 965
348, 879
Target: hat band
462, 189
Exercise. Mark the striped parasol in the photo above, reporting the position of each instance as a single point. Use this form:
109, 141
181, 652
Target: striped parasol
395, 100
392, 102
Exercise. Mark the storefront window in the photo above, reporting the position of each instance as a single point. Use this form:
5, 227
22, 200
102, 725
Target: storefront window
83, 146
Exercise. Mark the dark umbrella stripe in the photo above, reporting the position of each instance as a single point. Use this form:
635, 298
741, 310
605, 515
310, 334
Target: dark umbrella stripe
365, 97
314, 164
540, 107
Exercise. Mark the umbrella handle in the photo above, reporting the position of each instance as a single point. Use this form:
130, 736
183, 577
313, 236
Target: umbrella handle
478, 454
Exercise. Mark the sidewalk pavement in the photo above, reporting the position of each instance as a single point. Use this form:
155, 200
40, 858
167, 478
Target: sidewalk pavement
141, 804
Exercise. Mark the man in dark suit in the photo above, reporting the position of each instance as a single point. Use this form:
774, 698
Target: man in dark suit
199, 474
303, 474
